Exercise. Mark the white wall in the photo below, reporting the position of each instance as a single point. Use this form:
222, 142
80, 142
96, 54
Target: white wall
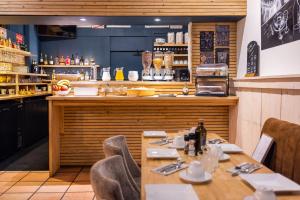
280, 60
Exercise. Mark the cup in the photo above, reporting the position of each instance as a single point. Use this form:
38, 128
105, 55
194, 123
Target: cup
3, 91
264, 193
219, 151
178, 141
133, 75
11, 91
196, 170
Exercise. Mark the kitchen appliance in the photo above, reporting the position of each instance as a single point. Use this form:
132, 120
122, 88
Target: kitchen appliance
147, 61
168, 61
182, 75
212, 80
158, 62
106, 74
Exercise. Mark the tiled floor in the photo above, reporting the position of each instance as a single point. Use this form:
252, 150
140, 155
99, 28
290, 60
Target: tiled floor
70, 183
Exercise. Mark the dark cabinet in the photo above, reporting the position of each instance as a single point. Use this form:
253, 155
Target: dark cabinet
22, 124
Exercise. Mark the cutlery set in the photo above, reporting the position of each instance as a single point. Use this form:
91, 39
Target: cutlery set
162, 141
244, 168
170, 168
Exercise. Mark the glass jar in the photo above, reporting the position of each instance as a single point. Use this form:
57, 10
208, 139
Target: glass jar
158, 60
168, 59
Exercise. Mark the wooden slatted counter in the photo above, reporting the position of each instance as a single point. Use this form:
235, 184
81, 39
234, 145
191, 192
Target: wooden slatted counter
78, 125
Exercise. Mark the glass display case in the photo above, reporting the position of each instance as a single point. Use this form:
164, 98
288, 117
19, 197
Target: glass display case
212, 80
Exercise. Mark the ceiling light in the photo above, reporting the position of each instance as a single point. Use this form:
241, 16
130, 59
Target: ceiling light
118, 26
157, 19
82, 19
157, 26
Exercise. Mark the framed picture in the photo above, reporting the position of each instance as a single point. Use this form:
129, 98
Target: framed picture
206, 41
222, 35
207, 58
222, 55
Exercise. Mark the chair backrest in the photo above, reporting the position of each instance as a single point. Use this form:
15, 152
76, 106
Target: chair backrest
284, 156
117, 145
110, 181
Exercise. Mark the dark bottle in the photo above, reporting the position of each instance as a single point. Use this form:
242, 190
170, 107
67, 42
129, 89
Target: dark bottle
192, 145
204, 134
72, 60
81, 61
35, 67
199, 136
41, 59
45, 60
186, 146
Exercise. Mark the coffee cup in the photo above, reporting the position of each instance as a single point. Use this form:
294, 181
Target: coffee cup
3, 91
178, 141
264, 193
196, 169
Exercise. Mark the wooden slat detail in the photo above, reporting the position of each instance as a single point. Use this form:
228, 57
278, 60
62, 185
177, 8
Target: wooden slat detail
197, 27
124, 7
85, 128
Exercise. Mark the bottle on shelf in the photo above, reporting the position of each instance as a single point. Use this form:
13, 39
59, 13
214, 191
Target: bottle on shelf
62, 60
86, 62
56, 60
41, 59
51, 61
35, 67
68, 61
77, 60
82, 75
72, 62
45, 60
87, 76
53, 76
81, 61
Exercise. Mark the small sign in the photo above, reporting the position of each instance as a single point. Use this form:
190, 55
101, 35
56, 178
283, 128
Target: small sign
3, 33
252, 59
19, 38
263, 148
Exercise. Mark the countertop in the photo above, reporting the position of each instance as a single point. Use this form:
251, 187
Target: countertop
180, 99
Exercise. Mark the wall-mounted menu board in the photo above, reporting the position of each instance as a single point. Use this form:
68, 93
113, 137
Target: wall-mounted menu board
222, 55
252, 59
280, 22
206, 41
222, 35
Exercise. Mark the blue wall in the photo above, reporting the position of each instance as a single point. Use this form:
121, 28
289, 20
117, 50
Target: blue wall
109, 47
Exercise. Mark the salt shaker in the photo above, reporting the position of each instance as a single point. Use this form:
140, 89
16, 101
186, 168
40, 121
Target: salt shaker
192, 143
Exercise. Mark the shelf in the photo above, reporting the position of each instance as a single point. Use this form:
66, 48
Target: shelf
10, 97
67, 66
170, 45
33, 84
180, 65
23, 74
175, 55
8, 84
213, 77
16, 51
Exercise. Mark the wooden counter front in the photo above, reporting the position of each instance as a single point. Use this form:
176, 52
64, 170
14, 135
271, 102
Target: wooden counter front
78, 125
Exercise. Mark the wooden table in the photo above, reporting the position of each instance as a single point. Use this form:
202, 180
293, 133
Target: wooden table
222, 187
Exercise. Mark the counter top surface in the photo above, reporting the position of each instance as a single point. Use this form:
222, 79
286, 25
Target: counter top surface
231, 100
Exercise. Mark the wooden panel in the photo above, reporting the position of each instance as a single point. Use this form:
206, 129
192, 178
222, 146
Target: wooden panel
84, 128
124, 7
197, 27
271, 104
290, 107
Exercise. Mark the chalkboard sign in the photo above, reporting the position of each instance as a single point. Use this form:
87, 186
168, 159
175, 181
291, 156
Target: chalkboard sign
252, 59
222, 55
280, 22
222, 35
206, 41
207, 58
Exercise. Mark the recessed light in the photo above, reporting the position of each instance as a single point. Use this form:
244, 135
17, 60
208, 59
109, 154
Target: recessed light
157, 19
82, 19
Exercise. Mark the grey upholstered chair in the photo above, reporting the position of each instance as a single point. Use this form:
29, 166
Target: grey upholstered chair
110, 181
117, 145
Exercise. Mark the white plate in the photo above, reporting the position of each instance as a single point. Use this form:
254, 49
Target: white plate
170, 192
274, 181
173, 146
224, 157
186, 177
155, 134
230, 148
162, 153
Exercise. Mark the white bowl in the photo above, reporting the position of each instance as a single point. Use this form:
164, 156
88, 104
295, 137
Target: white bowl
63, 93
